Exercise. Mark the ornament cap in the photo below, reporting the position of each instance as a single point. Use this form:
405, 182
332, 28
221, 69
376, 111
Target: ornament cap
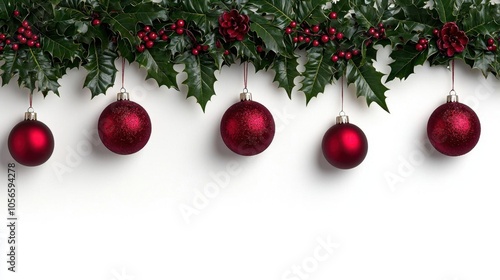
452, 97
342, 119
30, 115
246, 96
122, 95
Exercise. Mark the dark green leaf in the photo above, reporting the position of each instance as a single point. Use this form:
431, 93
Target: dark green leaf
101, 70
368, 82
282, 11
272, 37
60, 47
480, 21
159, 67
286, 72
201, 78
42, 70
405, 61
311, 11
317, 75
446, 10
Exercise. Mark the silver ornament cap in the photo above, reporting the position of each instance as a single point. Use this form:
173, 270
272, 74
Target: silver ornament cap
30, 115
246, 96
342, 119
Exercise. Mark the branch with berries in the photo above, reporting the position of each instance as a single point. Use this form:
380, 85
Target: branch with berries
41, 40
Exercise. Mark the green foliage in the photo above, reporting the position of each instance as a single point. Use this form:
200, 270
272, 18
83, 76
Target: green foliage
69, 37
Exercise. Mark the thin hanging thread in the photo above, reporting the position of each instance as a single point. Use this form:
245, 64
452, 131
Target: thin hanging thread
31, 100
123, 74
453, 76
342, 94
245, 76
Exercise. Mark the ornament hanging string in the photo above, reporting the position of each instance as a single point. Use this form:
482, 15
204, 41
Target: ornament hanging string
453, 92
31, 101
245, 77
342, 95
123, 76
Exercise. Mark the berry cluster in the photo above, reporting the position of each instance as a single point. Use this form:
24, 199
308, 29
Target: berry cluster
345, 55
313, 34
149, 36
491, 45
422, 44
24, 35
375, 33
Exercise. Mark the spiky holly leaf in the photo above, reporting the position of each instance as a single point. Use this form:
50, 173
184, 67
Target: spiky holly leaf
201, 13
311, 11
405, 61
285, 69
10, 66
447, 10
200, 78
367, 13
159, 67
178, 44
60, 47
480, 21
6, 8
368, 82
317, 75
247, 50
281, 11
272, 37
484, 62
100, 65
38, 67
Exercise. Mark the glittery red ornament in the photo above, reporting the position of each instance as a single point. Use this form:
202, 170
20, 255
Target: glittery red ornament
344, 145
31, 142
124, 127
247, 127
453, 128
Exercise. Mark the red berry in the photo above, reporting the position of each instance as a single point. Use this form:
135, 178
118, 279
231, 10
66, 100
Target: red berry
307, 31
146, 38
161, 32
307, 40
141, 34
25, 24
173, 26
198, 47
333, 15
1, 48
490, 42
147, 28
205, 48
419, 47
371, 31
141, 48
34, 37
23, 40
315, 28
381, 30
435, 32
301, 38
341, 54
355, 52
423, 41
179, 31
150, 44
288, 30
2, 37
380, 25
492, 48
20, 30
15, 47
315, 43
335, 58
226, 52
8, 41
180, 23
260, 49
38, 45
164, 37
339, 36
332, 31
30, 43
293, 24
96, 22
153, 36
195, 52
295, 39
16, 13
325, 39
348, 55
28, 33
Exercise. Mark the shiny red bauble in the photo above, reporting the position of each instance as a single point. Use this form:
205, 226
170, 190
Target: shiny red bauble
344, 145
31, 143
124, 127
453, 129
247, 128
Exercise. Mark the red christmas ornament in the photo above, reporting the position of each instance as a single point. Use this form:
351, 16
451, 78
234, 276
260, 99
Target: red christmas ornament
344, 145
247, 127
124, 126
31, 142
453, 128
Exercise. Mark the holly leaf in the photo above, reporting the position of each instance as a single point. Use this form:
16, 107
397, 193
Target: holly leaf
272, 37
286, 72
100, 65
446, 10
10, 66
198, 12
201, 78
317, 75
405, 61
178, 44
366, 13
247, 51
484, 63
311, 11
159, 67
60, 47
146, 12
480, 21
368, 82
38, 67
281, 11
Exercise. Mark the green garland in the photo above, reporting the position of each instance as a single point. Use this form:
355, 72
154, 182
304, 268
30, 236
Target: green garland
41, 40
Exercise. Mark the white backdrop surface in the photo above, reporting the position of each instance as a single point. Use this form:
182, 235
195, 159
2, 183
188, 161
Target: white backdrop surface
187, 208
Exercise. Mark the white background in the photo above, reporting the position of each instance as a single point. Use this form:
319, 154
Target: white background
405, 213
